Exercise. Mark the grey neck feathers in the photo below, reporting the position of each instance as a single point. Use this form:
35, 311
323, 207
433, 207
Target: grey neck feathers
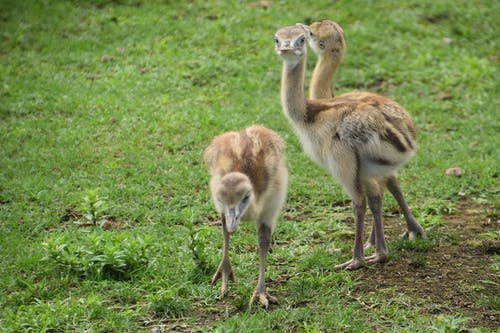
292, 91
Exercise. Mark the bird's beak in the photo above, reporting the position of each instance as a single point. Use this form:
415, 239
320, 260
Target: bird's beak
232, 219
285, 48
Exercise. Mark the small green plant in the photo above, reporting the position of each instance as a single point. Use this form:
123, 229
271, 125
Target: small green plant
495, 266
418, 260
311, 328
100, 255
305, 287
490, 235
243, 294
430, 214
94, 207
418, 245
449, 324
168, 303
490, 301
197, 245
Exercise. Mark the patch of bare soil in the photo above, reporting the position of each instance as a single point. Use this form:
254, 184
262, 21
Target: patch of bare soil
452, 278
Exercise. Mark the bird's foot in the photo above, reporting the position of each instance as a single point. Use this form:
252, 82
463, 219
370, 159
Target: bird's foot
264, 298
224, 272
377, 258
414, 234
351, 264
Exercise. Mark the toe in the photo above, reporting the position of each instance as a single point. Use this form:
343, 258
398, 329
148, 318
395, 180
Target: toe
224, 289
414, 234
377, 258
355, 264
272, 300
264, 301
350, 265
215, 277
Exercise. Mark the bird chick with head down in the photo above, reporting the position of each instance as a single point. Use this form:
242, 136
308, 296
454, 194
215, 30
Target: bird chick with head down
249, 180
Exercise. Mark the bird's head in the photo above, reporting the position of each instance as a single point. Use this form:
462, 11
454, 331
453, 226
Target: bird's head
326, 39
234, 196
290, 44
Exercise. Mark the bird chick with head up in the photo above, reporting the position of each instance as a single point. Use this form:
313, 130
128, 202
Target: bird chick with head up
362, 139
249, 180
326, 38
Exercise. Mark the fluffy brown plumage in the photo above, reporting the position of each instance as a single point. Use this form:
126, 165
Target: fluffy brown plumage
362, 139
248, 181
326, 38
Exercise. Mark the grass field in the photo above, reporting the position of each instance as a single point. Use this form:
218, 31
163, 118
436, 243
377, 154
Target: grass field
106, 223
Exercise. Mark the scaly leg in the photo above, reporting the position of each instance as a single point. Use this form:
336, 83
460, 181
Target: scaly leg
414, 228
260, 291
358, 258
371, 239
375, 204
381, 185
224, 271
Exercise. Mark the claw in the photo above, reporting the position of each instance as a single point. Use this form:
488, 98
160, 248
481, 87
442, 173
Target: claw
376, 258
224, 272
413, 234
264, 299
215, 277
350, 265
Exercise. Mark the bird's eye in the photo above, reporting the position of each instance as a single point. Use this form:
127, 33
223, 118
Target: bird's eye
276, 41
245, 199
322, 44
300, 42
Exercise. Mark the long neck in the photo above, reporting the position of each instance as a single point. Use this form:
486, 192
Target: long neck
292, 91
323, 78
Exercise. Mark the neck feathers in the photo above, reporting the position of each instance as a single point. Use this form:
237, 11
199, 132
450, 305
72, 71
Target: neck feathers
292, 91
322, 80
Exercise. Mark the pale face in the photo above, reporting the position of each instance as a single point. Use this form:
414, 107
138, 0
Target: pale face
326, 38
290, 44
234, 196
317, 45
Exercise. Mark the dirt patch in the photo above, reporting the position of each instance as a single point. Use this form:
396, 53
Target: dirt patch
452, 278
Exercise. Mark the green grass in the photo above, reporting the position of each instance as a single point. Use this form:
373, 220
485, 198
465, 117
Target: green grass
106, 107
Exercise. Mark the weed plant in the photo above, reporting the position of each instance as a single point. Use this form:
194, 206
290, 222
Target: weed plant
99, 255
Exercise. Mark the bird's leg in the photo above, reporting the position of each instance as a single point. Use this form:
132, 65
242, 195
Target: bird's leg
371, 240
375, 204
260, 291
414, 228
358, 258
224, 271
